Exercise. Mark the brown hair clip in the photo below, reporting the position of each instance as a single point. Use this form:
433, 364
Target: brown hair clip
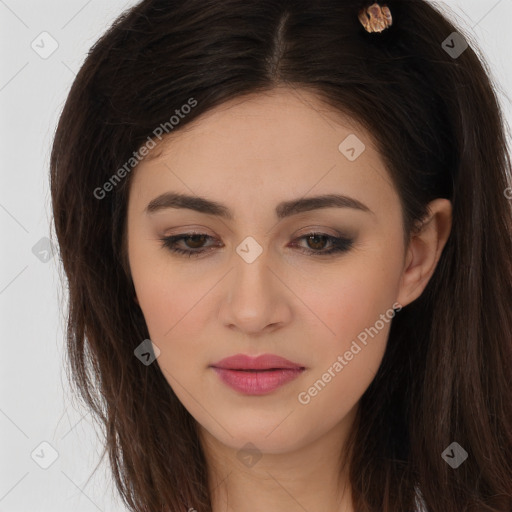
375, 18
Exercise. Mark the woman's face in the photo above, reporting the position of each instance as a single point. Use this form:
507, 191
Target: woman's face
263, 284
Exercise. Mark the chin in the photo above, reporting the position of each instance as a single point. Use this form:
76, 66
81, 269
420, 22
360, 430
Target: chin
267, 437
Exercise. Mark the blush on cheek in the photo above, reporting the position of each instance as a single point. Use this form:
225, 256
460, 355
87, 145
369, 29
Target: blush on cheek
361, 324
349, 307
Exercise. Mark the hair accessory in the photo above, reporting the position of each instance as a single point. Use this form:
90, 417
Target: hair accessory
375, 18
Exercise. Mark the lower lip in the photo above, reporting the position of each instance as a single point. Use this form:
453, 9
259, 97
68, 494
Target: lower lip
257, 383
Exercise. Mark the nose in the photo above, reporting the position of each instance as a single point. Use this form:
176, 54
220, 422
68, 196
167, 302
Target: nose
255, 299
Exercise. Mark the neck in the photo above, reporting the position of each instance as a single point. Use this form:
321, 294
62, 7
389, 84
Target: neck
312, 476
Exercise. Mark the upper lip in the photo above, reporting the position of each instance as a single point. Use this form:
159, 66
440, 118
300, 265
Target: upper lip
263, 362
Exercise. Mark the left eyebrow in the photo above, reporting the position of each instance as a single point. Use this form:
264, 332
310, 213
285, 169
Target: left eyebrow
283, 209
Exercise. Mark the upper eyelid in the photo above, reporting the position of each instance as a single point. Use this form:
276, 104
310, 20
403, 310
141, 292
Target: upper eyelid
302, 232
333, 239
310, 232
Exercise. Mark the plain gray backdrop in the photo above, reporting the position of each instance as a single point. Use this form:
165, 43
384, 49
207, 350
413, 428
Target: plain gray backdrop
44, 43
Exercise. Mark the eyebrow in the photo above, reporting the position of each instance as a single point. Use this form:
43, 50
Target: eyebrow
283, 209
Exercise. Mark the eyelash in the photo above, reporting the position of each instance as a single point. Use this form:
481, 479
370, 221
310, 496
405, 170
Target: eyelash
340, 245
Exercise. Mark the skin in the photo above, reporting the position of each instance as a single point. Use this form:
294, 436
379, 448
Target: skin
250, 154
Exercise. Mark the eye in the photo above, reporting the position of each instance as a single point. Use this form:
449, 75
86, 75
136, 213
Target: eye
317, 240
170, 242
195, 242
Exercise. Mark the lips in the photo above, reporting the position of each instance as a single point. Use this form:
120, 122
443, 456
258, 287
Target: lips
256, 376
263, 362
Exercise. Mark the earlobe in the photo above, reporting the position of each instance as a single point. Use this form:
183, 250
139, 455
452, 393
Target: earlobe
424, 251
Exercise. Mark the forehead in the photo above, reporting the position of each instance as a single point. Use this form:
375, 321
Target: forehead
284, 142
274, 121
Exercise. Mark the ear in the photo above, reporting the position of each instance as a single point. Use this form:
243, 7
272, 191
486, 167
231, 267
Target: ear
425, 247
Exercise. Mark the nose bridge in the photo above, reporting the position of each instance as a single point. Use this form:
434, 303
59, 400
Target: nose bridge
252, 300
251, 280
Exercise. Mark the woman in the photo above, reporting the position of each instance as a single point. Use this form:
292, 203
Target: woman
287, 236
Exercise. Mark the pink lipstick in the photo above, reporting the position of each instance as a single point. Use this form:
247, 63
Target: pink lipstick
256, 375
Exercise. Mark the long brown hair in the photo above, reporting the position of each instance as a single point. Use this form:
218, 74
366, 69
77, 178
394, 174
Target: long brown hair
446, 374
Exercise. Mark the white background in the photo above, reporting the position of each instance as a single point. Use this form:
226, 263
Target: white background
35, 402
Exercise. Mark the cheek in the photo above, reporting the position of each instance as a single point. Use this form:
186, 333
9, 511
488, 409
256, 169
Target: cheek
167, 295
171, 310
356, 306
171, 306
355, 297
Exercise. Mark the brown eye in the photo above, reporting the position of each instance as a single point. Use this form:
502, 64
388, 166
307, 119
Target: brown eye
197, 241
316, 244
194, 244
315, 241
